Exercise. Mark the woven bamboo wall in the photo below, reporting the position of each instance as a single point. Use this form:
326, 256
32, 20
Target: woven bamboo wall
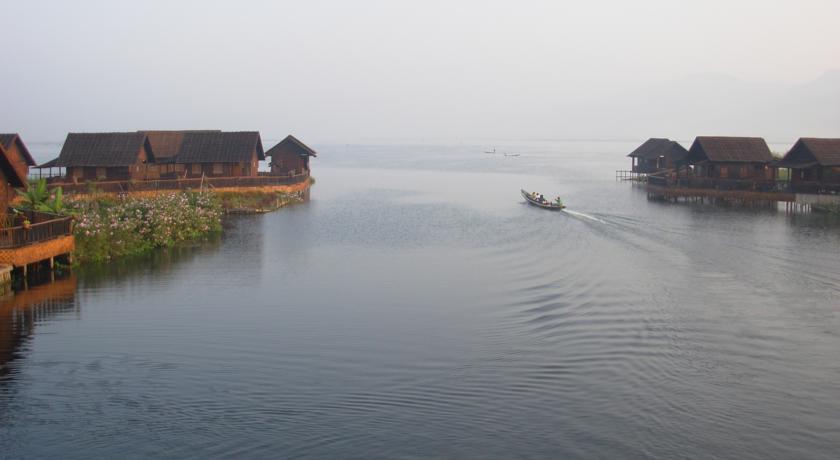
25, 255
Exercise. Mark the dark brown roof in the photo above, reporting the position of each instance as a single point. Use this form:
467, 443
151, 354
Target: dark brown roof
813, 151
291, 142
655, 148
103, 149
166, 144
219, 147
8, 139
730, 149
11, 173
50, 164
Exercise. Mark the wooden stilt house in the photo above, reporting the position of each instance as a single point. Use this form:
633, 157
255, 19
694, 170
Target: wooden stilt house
657, 155
290, 157
166, 145
743, 163
105, 156
31, 236
218, 154
814, 165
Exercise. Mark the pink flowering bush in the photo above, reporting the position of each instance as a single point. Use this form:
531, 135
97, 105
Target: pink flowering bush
107, 228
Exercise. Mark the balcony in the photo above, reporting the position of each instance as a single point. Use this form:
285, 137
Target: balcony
30, 237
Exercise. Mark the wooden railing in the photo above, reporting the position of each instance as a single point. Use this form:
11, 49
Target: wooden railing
178, 184
629, 175
819, 188
755, 185
43, 227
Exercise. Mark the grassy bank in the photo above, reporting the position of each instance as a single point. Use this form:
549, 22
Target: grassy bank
256, 201
108, 227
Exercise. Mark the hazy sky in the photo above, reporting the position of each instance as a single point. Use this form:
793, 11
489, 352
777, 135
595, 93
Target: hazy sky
350, 71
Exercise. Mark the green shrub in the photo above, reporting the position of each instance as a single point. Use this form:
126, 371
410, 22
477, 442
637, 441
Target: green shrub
108, 228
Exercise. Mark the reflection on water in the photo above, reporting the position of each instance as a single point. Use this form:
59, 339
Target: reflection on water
417, 307
22, 311
159, 263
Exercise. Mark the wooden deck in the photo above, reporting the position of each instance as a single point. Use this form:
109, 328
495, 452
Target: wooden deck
676, 192
47, 237
624, 175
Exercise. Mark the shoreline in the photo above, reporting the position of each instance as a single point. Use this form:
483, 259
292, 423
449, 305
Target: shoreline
111, 226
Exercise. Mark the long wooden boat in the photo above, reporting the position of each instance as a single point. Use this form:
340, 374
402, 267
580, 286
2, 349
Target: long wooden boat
541, 204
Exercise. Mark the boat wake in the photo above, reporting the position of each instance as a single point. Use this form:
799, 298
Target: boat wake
584, 216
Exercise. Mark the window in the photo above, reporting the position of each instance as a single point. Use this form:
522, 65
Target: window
179, 167
196, 168
100, 173
724, 171
218, 169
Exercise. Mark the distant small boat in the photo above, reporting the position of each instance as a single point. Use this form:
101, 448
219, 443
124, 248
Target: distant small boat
535, 201
511, 154
491, 151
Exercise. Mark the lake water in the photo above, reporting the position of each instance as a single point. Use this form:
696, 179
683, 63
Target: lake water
416, 307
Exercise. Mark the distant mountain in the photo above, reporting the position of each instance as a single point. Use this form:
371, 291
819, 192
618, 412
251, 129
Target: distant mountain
716, 105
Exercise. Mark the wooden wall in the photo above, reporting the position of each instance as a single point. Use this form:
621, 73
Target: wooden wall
17, 159
152, 171
735, 171
7, 192
289, 162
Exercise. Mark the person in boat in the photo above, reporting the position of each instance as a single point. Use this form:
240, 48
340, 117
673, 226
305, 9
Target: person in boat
542, 198
558, 201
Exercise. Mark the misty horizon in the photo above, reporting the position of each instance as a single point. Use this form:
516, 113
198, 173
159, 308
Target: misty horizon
430, 72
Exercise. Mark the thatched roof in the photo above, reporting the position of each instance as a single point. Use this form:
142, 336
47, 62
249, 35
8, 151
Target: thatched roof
812, 151
655, 148
12, 174
729, 150
167, 144
8, 139
103, 149
219, 147
293, 144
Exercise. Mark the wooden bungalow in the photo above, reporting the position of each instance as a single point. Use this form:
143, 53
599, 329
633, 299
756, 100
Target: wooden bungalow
814, 165
17, 153
657, 155
736, 162
29, 237
11, 177
290, 157
208, 153
104, 156
166, 145
219, 154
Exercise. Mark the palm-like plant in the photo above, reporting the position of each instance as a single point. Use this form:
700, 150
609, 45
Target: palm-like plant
35, 195
38, 198
55, 204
